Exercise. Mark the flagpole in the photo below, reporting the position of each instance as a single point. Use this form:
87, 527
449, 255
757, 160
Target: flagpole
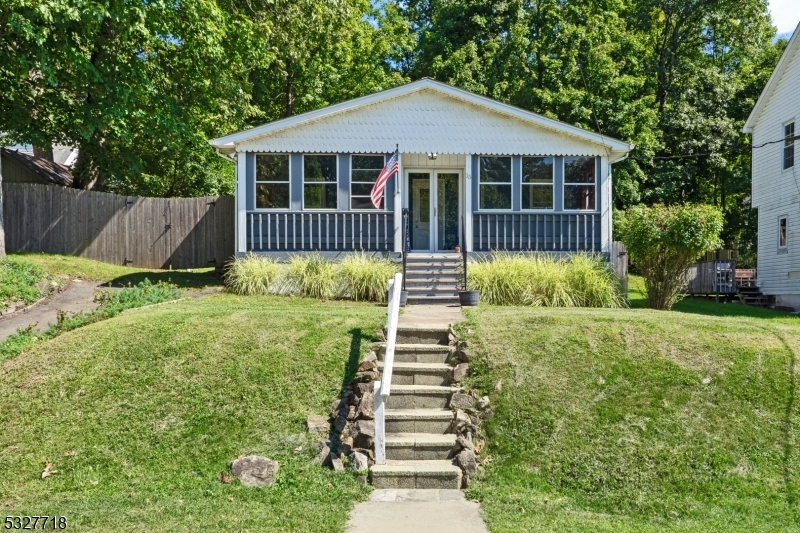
398, 203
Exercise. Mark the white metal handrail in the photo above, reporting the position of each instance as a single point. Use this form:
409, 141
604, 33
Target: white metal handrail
383, 387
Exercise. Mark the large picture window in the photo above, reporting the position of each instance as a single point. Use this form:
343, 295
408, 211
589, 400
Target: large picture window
272, 181
495, 183
537, 183
788, 147
319, 182
364, 172
580, 183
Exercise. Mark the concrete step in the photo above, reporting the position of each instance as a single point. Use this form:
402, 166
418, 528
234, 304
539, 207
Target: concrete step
433, 300
431, 283
420, 373
433, 255
416, 475
419, 446
423, 335
418, 292
418, 420
413, 277
420, 397
417, 353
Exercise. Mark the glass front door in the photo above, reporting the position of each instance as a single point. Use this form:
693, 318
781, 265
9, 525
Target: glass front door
434, 204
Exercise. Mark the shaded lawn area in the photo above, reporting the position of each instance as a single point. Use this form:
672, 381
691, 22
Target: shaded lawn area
700, 305
120, 276
156, 402
637, 420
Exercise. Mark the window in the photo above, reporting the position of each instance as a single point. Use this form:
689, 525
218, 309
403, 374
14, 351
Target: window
782, 232
272, 181
579, 183
788, 147
319, 182
495, 183
537, 183
364, 171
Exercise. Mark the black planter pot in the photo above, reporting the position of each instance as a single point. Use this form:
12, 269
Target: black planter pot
469, 298
403, 298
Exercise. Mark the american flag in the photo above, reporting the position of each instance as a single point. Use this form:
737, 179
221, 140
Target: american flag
391, 168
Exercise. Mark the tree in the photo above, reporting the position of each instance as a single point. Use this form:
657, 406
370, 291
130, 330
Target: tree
664, 241
137, 87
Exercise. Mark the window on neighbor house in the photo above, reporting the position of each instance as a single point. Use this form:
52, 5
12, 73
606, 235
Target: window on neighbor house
272, 181
537, 183
788, 147
495, 183
580, 183
320, 187
782, 232
364, 172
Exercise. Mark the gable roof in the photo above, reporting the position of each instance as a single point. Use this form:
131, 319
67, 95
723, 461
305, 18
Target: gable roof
447, 96
47, 170
772, 84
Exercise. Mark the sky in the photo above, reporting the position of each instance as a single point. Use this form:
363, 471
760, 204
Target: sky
785, 14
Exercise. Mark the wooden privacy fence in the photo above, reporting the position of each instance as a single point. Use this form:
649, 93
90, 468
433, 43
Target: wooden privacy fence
123, 230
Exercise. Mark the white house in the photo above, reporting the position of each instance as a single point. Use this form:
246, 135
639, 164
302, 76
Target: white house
775, 125
520, 181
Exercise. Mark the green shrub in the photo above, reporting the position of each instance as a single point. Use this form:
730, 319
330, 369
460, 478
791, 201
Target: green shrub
364, 277
664, 241
542, 280
312, 276
19, 281
251, 275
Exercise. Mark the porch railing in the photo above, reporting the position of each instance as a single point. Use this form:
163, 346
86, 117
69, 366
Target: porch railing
310, 231
536, 232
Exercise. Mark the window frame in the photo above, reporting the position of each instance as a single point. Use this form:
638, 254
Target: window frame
256, 182
564, 184
303, 183
350, 187
510, 184
785, 220
523, 184
784, 146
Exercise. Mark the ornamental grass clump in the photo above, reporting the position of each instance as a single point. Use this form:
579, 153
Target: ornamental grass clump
543, 280
364, 277
312, 276
251, 275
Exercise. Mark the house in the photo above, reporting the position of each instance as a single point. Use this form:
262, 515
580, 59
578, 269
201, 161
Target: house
775, 125
22, 167
520, 181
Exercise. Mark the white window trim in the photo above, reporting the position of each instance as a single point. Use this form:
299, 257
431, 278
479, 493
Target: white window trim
523, 184
786, 218
303, 174
256, 182
564, 184
510, 184
350, 191
783, 145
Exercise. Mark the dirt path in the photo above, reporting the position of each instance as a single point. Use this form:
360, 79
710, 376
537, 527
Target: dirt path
76, 297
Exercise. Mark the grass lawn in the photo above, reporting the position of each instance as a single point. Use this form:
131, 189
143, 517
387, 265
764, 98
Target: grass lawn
139, 415
637, 420
78, 267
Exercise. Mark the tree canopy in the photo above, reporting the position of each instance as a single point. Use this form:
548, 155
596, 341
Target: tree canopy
140, 86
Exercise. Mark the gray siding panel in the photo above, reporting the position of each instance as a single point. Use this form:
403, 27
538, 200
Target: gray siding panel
558, 185
250, 175
516, 183
476, 180
296, 179
344, 182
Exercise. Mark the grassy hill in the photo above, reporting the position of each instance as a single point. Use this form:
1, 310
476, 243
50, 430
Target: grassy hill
140, 414
639, 420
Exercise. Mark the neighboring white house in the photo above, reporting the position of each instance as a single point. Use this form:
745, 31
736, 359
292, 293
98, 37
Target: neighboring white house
520, 180
775, 125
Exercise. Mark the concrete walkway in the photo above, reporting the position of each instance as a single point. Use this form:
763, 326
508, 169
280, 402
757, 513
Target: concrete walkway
77, 297
431, 315
416, 511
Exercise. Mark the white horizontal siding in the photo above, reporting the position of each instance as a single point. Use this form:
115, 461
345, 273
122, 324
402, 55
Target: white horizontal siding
441, 161
420, 122
774, 264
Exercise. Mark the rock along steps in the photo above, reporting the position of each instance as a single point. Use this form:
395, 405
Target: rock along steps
419, 436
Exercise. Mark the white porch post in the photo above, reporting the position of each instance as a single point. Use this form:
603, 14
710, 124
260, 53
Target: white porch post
605, 206
241, 203
398, 206
468, 202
